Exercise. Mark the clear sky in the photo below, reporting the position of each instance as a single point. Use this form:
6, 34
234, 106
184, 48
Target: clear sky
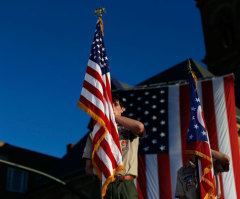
44, 50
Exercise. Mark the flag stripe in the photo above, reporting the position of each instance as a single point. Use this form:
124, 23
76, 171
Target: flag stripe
92, 99
152, 175
231, 116
105, 146
95, 67
223, 135
210, 119
141, 181
101, 165
184, 118
174, 133
104, 156
93, 90
114, 147
91, 106
209, 113
94, 81
165, 186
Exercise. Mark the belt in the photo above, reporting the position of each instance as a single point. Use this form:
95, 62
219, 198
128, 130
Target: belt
122, 178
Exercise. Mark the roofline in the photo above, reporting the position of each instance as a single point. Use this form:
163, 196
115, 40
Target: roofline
164, 84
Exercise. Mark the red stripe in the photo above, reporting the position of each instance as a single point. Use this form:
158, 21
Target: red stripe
91, 106
115, 136
98, 77
164, 173
141, 179
93, 90
97, 136
102, 166
184, 97
200, 146
94, 74
108, 151
232, 126
108, 88
210, 119
209, 113
113, 132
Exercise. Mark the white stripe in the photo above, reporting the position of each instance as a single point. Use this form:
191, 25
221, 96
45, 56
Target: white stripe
105, 159
95, 67
104, 79
109, 78
106, 108
96, 128
115, 151
112, 116
93, 99
223, 136
94, 82
175, 147
152, 176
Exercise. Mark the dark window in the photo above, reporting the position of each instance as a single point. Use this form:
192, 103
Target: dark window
17, 180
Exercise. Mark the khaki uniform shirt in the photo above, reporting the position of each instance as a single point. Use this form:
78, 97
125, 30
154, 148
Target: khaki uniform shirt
187, 182
129, 146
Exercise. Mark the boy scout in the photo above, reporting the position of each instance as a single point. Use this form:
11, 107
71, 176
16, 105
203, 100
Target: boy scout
129, 132
187, 184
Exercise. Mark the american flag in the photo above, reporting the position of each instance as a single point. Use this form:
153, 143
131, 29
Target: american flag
96, 100
165, 112
198, 143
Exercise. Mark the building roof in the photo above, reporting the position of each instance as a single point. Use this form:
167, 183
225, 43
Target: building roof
26, 157
115, 84
178, 72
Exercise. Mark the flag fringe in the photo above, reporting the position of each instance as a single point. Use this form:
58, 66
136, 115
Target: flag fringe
210, 196
111, 179
192, 152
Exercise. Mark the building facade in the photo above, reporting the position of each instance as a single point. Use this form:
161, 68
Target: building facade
16, 182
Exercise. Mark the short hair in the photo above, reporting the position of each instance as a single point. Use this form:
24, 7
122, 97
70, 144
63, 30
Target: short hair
116, 97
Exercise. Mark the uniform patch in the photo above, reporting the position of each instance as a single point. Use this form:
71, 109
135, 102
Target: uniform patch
124, 145
190, 183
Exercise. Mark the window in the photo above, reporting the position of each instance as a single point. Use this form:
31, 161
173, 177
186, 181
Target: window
17, 180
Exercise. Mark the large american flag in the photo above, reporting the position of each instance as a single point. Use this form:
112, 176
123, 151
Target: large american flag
198, 143
96, 100
165, 113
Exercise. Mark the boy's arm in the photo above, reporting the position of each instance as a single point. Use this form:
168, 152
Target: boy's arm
223, 159
89, 167
133, 125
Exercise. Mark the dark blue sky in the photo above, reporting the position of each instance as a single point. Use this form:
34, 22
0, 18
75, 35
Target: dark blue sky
44, 50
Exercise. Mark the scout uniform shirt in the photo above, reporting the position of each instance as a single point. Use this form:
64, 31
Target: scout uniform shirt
129, 146
187, 184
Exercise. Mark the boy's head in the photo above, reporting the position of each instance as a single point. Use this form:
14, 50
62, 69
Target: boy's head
118, 106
